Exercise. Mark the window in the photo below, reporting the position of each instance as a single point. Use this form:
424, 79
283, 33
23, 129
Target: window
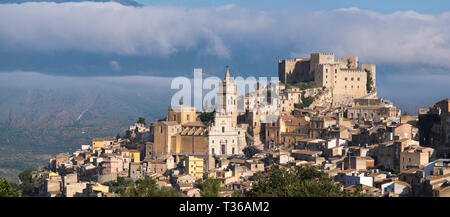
212, 151
346, 78
326, 70
335, 71
352, 79
174, 117
187, 117
358, 79
223, 129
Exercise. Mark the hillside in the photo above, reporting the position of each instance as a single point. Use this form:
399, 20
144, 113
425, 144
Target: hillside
43, 115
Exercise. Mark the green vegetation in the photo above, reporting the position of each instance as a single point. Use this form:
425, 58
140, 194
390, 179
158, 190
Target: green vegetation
6, 190
302, 182
149, 188
303, 85
381, 167
306, 102
210, 187
29, 184
120, 185
349, 63
141, 120
369, 83
207, 116
250, 151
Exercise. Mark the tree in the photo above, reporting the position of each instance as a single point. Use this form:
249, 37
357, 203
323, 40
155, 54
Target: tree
210, 187
207, 116
306, 102
148, 187
120, 185
250, 151
6, 190
369, 83
141, 120
29, 185
301, 182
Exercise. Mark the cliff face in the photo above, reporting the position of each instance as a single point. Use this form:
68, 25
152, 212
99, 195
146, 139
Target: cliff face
322, 96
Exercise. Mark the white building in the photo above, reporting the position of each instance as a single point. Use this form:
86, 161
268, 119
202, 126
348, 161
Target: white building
354, 179
226, 137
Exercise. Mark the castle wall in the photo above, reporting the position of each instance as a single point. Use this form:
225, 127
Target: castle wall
294, 70
350, 62
350, 82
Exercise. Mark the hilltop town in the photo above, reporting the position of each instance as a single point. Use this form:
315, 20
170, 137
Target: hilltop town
328, 117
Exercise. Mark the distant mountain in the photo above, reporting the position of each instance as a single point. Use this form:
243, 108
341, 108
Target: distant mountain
123, 2
42, 115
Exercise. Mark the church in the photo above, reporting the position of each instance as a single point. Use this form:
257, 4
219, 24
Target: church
226, 137
181, 133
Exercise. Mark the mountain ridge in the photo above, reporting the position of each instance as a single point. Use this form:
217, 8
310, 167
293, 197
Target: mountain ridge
123, 2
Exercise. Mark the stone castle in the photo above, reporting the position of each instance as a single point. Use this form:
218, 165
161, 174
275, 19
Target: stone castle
344, 76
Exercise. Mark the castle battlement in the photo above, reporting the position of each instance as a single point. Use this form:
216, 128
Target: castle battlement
345, 75
351, 70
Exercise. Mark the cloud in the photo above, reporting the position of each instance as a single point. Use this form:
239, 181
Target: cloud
402, 38
115, 66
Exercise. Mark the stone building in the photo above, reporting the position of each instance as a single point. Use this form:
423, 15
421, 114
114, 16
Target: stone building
191, 140
415, 157
371, 109
194, 166
434, 127
226, 137
181, 134
344, 76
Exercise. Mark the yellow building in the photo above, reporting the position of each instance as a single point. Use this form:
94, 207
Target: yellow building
135, 156
100, 187
195, 167
101, 142
53, 174
181, 114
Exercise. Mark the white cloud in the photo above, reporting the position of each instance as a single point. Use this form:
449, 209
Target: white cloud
401, 38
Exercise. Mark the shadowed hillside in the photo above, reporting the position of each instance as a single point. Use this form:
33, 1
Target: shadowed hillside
42, 115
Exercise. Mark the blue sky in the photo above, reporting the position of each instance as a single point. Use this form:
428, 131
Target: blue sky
382, 6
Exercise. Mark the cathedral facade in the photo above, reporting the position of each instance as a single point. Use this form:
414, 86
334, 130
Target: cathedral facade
225, 136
